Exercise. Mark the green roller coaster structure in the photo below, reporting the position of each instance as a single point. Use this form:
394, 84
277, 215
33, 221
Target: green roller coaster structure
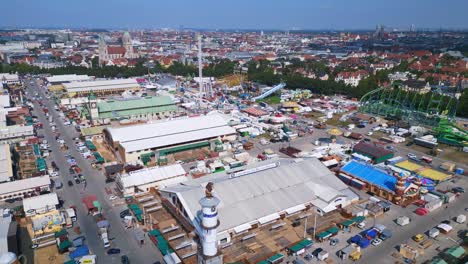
432, 109
450, 134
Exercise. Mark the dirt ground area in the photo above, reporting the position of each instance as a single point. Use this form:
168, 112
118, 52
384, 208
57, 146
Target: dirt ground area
266, 243
453, 154
104, 151
48, 255
190, 155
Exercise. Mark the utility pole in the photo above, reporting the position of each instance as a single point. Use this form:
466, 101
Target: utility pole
315, 223
305, 227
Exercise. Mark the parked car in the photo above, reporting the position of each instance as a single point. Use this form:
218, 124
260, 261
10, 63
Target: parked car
308, 257
113, 197
376, 241
124, 213
458, 189
334, 241
390, 148
362, 225
124, 259
112, 251
317, 251
418, 237
109, 180
412, 156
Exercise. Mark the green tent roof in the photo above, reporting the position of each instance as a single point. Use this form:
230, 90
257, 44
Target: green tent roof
184, 147
333, 230
263, 262
65, 244
90, 145
347, 223
135, 103
133, 206
155, 232
438, 261
358, 219
275, 257
302, 244
37, 150
60, 233
456, 251
323, 235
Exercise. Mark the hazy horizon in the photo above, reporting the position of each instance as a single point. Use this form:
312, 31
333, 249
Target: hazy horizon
241, 14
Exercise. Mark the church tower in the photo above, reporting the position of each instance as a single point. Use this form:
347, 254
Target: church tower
103, 56
127, 44
92, 106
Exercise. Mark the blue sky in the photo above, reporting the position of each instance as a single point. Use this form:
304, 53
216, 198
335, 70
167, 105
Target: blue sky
235, 14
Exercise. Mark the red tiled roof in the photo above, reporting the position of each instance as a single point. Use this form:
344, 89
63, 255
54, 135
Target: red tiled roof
116, 50
371, 150
254, 111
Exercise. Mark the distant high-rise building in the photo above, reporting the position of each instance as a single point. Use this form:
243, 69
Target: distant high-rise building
413, 28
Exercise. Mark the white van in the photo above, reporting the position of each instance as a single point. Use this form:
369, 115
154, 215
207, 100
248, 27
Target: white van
71, 214
434, 232
105, 240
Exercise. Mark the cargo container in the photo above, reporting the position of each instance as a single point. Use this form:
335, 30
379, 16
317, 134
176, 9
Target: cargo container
447, 166
425, 244
351, 251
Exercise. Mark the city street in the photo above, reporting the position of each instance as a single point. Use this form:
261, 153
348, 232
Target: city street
120, 238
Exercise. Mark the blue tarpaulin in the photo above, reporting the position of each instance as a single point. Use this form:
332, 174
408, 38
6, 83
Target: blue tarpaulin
355, 239
371, 234
364, 242
79, 252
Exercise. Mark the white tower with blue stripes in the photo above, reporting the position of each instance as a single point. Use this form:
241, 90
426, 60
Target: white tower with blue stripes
209, 223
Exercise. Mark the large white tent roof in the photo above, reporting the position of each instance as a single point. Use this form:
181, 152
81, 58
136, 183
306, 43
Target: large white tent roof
254, 196
179, 131
101, 85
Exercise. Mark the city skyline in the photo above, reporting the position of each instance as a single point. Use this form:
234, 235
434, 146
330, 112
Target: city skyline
211, 15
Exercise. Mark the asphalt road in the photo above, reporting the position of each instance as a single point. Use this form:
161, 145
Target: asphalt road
419, 225
120, 237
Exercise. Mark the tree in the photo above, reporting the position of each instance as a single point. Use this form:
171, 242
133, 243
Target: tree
430, 80
462, 110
